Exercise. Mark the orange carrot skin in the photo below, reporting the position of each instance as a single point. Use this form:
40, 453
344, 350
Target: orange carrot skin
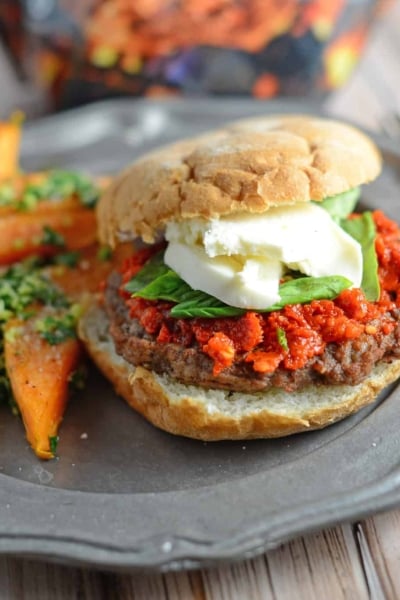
90, 273
39, 375
21, 232
10, 137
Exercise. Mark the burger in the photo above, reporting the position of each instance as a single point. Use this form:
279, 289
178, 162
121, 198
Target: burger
257, 302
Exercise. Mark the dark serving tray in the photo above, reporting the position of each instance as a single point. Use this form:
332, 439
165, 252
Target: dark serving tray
123, 494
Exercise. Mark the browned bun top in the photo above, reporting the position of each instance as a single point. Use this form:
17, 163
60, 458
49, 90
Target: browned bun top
249, 166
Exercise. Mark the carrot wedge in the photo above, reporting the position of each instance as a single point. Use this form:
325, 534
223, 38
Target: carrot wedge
10, 136
90, 272
39, 375
24, 234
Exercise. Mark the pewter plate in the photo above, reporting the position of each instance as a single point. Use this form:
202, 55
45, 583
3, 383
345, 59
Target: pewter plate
125, 495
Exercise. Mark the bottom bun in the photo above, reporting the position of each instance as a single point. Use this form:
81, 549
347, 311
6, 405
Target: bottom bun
209, 414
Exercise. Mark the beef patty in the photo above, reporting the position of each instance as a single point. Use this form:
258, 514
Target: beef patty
346, 363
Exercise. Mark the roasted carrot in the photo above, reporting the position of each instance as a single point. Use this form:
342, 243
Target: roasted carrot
89, 269
39, 374
45, 231
10, 136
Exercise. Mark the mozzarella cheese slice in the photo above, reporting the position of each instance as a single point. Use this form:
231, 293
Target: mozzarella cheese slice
237, 281
240, 259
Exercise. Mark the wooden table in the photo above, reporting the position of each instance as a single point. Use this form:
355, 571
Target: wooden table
352, 561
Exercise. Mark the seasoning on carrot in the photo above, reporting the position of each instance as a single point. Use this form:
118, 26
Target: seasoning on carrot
39, 374
43, 213
39, 351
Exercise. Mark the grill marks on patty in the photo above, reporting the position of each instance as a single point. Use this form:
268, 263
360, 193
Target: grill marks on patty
346, 363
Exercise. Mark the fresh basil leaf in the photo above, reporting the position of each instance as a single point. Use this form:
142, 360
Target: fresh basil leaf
157, 282
167, 286
153, 268
362, 229
341, 205
189, 302
296, 291
306, 289
200, 304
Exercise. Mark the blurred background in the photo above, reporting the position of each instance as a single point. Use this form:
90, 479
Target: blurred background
58, 54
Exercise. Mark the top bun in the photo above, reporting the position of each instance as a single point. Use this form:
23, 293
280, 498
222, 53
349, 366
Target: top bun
249, 166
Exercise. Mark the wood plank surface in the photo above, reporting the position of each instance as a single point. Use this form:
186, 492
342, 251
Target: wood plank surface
326, 565
381, 535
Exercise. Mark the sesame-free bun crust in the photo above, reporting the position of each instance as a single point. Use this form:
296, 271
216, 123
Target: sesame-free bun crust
217, 414
249, 166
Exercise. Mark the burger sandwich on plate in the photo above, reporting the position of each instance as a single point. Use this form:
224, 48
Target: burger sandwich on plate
258, 302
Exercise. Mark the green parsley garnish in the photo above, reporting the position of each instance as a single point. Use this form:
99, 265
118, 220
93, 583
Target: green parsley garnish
67, 259
7, 194
52, 238
59, 327
78, 379
53, 442
56, 186
282, 339
104, 253
21, 286
63, 184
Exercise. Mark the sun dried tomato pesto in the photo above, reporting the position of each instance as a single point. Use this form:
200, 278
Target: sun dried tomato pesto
256, 338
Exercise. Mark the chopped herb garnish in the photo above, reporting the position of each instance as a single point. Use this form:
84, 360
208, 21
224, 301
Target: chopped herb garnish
21, 286
52, 238
7, 194
12, 333
19, 243
59, 327
78, 378
59, 185
56, 185
104, 253
28, 201
67, 259
282, 339
64, 184
53, 443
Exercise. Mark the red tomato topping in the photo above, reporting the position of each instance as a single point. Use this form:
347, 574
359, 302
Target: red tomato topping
221, 349
287, 338
388, 252
264, 362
